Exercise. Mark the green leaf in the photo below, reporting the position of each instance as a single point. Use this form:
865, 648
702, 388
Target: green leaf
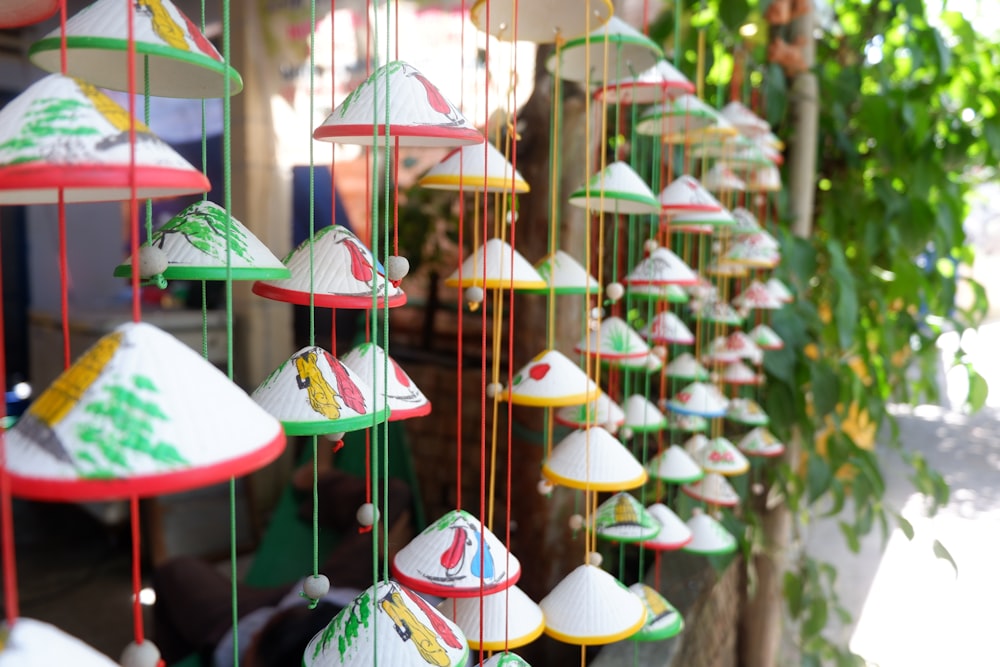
818, 477
978, 391
792, 587
816, 621
734, 13
851, 535
941, 552
905, 526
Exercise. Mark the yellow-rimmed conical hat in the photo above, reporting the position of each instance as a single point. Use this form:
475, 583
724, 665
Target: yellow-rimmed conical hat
747, 411
550, 380
663, 621
594, 460
616, 189
656, 84
673, 534
666, 327
622, 518
479, 167
761, 442
564, 275
675, 465
509, 619
721, 456
610, 52
495, 264
600, 412
661, 267
417, 114
713, 489
709, 537
31, 643
614, 339
590, 607
138, 414
642, 415
456, 556
404, 398
745, 252
538, 22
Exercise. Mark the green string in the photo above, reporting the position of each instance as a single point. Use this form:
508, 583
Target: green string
312, 287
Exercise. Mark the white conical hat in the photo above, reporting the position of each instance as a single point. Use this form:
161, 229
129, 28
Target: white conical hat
703, 291
761, 442
31, 643
448, 559
668, 293
713, 489
181, 60
746, 155
721, 456
757, 296
675, 465
600, 412
656, 84
745, 221
418, 114
685, 193
699, 222
550, 380
616, 189
673, 534
622, 518
344, 274
17, 13
685, 115
564, 275
717, 311
651, 363
662, 267
591, 607
139, 413
480, 167
666, 327
499, 258
744, 346
738, 373
388, 624
725, 268
687, 423
764, 179
766, 338
539, 22
748, 253
708, 535
612, 50
694, 443
504, 660
594, 460
745, 120
698, 398
512, 619
686, 367
760, 237
314, 393
747, 411
371, 362
195, 241
613, 340
642, 416
780, 290
721, 178
62, 133
718, 352
663, 621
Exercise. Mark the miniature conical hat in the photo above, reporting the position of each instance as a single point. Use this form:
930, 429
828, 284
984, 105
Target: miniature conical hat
622, 518
747, 253
314, 393
642, 416
780, 290
757, 296
744, 346
17, 13
662, 267
668, 328
591, 607
673, 534
687, 423
538, 22
675, 465
592, 459
760, 237
726, 268
663, 621
765, 338
719, 353
668, 293
418, 114
343, 274
718, 311
745, 120
738, 373
480, 167
31, 643
498, 257
761, 442
139, 413
181, 61
764, 179
656, 84
686, 367
698, 399
703, 290
616, 189
747, 155
650, 363
721, 456
388, 624
684, 115
612, 50
614, 339
504, 660
747, 411
714, 490
195, 241
699, 222
550, 380
405, 399
745, 221
447, 559
600, 412
512, 619
708, 535
693, 444
564, 275
64, 133
721, 178
685, 193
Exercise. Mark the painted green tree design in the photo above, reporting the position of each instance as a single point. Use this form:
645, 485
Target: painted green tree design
46, 117
203, 225
121, 427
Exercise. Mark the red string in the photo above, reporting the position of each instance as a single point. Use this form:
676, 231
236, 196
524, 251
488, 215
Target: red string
10, 597
63, 51
136, 569
395, 179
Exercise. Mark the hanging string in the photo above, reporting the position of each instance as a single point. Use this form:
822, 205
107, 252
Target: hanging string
459, 352
10, 590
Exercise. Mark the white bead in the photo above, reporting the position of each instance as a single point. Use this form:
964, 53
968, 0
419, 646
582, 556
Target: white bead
575, 522
152, 261
141, 655
653, 362
396, 268
611, 428
597, 313
367, 514
474, 294
650, 245
660, 351
614, 291
595, 559
544, 487
316, 586
494, 389
626, 433
511, 217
